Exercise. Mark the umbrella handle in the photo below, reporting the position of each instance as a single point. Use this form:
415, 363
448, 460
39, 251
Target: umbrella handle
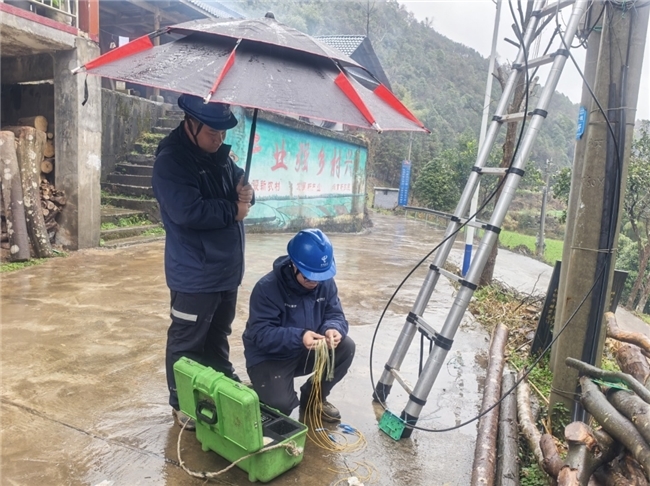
251, 142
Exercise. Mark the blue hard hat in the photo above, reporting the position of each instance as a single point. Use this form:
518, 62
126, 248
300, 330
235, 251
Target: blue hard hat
215, 115
312, 253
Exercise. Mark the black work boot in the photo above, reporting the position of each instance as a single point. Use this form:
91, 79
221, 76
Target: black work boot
181, 419
328, 412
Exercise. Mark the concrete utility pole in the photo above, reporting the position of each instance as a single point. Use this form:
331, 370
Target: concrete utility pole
613, 70
542, 217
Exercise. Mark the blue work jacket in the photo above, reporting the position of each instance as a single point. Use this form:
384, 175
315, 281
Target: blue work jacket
282, 310
197, 193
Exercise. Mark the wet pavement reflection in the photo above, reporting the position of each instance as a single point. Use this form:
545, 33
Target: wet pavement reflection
84, 398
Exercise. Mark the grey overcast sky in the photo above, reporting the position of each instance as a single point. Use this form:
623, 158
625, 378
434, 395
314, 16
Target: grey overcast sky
471, 22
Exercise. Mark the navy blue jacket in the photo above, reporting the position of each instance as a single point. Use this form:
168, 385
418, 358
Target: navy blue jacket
197, 193
281, 310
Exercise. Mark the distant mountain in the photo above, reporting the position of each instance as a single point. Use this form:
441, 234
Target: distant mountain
442, 81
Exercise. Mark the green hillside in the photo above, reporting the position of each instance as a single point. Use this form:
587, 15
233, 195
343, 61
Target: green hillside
442, 81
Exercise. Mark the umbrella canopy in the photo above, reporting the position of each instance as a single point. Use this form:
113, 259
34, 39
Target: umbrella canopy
259, 64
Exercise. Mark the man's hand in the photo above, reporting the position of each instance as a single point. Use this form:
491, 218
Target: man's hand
244, 192
333, 338
242, 210
310, 339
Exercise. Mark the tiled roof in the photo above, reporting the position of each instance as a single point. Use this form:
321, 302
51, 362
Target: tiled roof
347, 44
359, 48
216, 9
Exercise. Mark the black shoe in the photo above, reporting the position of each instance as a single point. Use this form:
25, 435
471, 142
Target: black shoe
181, 419
328, 412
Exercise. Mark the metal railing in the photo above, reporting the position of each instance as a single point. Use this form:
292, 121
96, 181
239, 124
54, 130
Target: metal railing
64, 11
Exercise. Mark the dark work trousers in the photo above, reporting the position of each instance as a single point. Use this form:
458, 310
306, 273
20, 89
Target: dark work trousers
273, 380
201, 324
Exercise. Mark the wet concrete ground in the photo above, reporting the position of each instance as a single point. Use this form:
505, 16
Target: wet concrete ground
83, 392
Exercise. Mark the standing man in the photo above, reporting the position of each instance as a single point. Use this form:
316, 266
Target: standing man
203, 202
291, 310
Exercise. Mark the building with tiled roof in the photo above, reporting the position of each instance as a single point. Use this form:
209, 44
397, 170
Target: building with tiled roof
359, 48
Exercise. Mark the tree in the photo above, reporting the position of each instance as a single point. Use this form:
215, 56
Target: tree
637, 211
436, 187
561, 188
439, 183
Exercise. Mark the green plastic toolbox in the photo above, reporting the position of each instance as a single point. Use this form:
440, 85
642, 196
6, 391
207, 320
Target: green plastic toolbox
231, 421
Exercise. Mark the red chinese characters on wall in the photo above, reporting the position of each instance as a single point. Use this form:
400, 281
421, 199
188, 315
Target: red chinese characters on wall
335, 164
321, 161
279, 156
302, 158
341, 187
263, 186
309, 187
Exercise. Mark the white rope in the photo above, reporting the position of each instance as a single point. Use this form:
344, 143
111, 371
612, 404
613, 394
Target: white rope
291, 448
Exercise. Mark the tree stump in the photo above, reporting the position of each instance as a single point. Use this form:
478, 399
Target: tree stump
30, 154
12, 199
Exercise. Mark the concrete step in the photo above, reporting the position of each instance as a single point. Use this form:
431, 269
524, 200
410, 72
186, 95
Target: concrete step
134, 240
133, 169
169, 122
174, 109
127, 190
145, 148
143, 181
162, 130
148, 206
140, 159
113, 215
127, 231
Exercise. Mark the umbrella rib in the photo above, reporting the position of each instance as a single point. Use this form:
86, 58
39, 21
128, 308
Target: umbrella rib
134, 47
385, 95
344, 84
229, 62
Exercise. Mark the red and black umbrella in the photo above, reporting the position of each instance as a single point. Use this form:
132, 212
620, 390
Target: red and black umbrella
260, 64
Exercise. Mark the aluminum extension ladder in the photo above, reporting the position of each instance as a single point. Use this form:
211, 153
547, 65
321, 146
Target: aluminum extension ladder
401, 427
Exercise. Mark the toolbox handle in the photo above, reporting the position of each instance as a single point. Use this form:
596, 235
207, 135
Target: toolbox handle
209, 406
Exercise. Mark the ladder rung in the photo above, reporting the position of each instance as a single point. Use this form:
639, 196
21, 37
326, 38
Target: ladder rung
513, 117
473, 223
449, 275
550, 9
539, 61
401, 381
494, 170
422, 324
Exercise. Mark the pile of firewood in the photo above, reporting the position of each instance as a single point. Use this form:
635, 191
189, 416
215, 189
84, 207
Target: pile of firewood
614, 450
30, 202
52, 201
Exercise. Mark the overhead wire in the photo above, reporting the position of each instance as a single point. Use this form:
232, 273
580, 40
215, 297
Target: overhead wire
528, 370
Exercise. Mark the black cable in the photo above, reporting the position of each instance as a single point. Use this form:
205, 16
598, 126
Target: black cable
490, 197
596, 280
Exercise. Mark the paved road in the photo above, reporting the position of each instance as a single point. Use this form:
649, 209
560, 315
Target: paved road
83, 394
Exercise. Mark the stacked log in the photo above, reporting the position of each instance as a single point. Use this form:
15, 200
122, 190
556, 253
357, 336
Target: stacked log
619, 452
30, 202
14, 225
40, 123
52, 202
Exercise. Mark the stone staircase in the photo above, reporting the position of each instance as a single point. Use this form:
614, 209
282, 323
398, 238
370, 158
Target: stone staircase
130, 212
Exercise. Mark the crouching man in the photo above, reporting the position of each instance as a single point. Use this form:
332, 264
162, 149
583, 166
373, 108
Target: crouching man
292, 308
